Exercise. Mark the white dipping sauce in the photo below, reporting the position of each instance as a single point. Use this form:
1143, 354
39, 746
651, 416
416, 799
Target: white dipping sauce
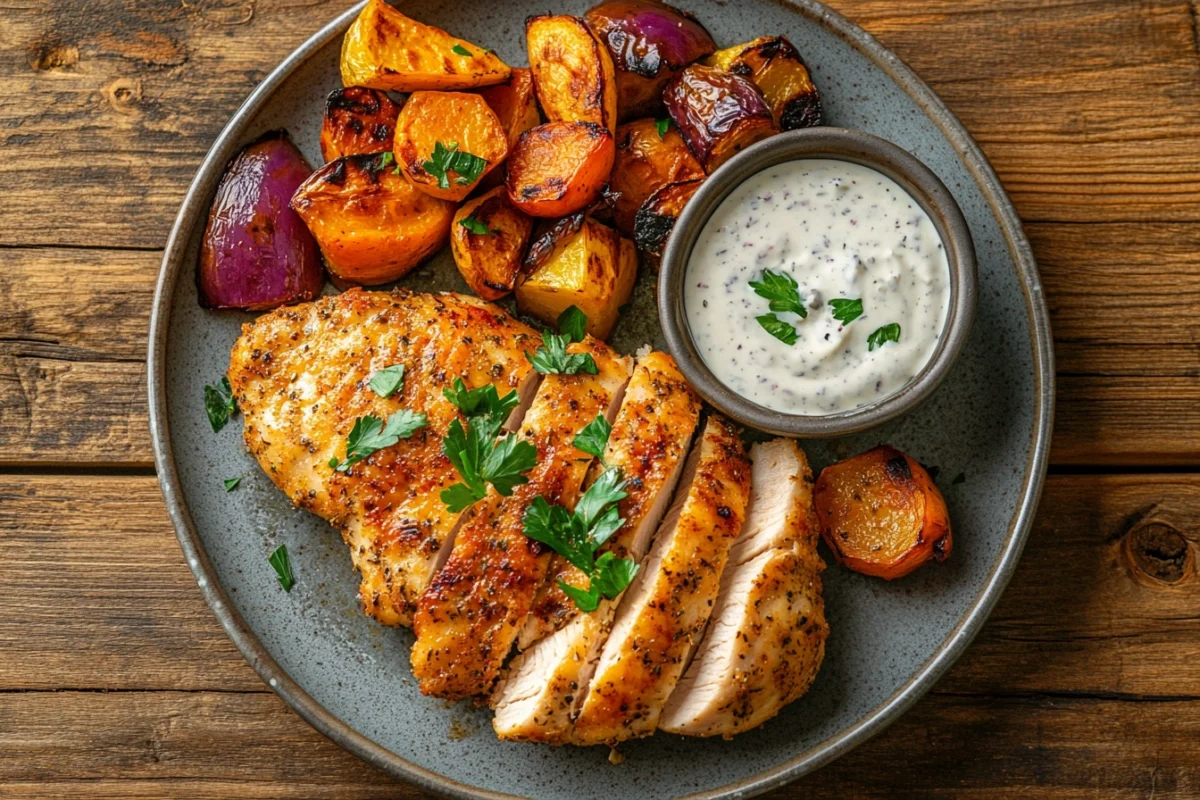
840, 230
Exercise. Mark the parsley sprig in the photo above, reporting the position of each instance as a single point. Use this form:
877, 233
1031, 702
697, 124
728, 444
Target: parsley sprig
219, 403
388, 381
371, 434
781, 330
552, 357
880, 336
594, 437
283, 567
846, 310
477, 227
663, 125
448, 158
478, 454
782, 291
458, 49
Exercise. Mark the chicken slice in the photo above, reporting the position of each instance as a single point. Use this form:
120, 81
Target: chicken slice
649, 444
766, 638
665, 610
300, 375
470, 615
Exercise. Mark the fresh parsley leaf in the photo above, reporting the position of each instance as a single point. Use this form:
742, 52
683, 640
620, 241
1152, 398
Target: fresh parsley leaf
613, 574
888, 333
385, 160
483, 400
231, 483
552, 357
507, 462
782, 290
663, 125
845, 310
480, 459
781, 330
594, 437
560, 530
606, 490
476, 227
459, 497
370, 434
460, 50
283, 567
586, 600
573, 323
388, 381
447, 159
219, 403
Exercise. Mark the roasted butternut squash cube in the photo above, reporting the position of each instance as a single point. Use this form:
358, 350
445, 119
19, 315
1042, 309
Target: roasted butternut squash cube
358, 121
572, 71
488, 239
447, 141
383, 49
777, 69
591, 267
650, 154
559, 168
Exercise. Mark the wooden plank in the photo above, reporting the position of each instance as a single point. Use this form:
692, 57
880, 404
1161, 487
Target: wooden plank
194, 745
1084, 108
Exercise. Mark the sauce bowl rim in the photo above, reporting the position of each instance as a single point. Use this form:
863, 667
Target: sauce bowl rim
840, 144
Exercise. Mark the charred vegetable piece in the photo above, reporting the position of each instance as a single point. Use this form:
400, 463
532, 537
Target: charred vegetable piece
647, 160
358, 121
656, 218
488, 239
549, 236
881, 513
383, 49
777, 69
515, 104
447, 141
650, 43
559, 168
256, 253
718, 113
572, 71
372, 224
592, 268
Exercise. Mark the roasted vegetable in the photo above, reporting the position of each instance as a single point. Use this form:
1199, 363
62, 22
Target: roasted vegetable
447, 141
656, 218
257, 253
717, 113
488, 239
384, 49
372, 224
514, 103
881, 513
548, 237
591, 267
358, 121
559, 168
777, 69
650, 154
650, 43
572, 71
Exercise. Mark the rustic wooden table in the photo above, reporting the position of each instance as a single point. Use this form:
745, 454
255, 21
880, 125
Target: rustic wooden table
115, 679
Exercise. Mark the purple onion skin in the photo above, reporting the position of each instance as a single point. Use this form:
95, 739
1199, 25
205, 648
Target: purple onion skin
650, 43
257, 252
708, 104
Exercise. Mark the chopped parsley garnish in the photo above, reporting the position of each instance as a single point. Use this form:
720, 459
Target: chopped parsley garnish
663, 125
475, 451
460, 50
447, 159
576, 536
782, 290
593, 439
845, 310
552, 357
384, 161
573, 323
370, 434
781, 330
232, 483
476, 227
220, 404
283, 567
388, 381
888, 333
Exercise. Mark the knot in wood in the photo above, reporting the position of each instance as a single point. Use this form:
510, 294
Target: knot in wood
1158, 551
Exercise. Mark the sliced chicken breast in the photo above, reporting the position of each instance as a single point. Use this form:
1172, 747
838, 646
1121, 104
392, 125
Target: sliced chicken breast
469, 617
766, 638
301, 374
664, 611
649, 444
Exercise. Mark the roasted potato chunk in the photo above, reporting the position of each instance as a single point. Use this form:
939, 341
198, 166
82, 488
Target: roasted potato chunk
488, 239
358, 121
572, 71
559, 168
777, 69
593, 268
447, 141
646, 161
371, 223
881, 514
383, 49
718, 113
656, 218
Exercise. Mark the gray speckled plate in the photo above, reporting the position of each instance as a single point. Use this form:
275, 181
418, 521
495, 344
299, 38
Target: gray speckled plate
348, 677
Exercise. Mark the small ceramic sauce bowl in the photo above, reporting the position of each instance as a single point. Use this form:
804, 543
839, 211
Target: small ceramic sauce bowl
842, 145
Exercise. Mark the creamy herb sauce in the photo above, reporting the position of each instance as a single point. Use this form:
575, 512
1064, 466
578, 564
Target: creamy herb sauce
840, 230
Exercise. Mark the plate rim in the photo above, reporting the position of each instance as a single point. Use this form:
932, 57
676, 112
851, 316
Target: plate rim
871, 724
